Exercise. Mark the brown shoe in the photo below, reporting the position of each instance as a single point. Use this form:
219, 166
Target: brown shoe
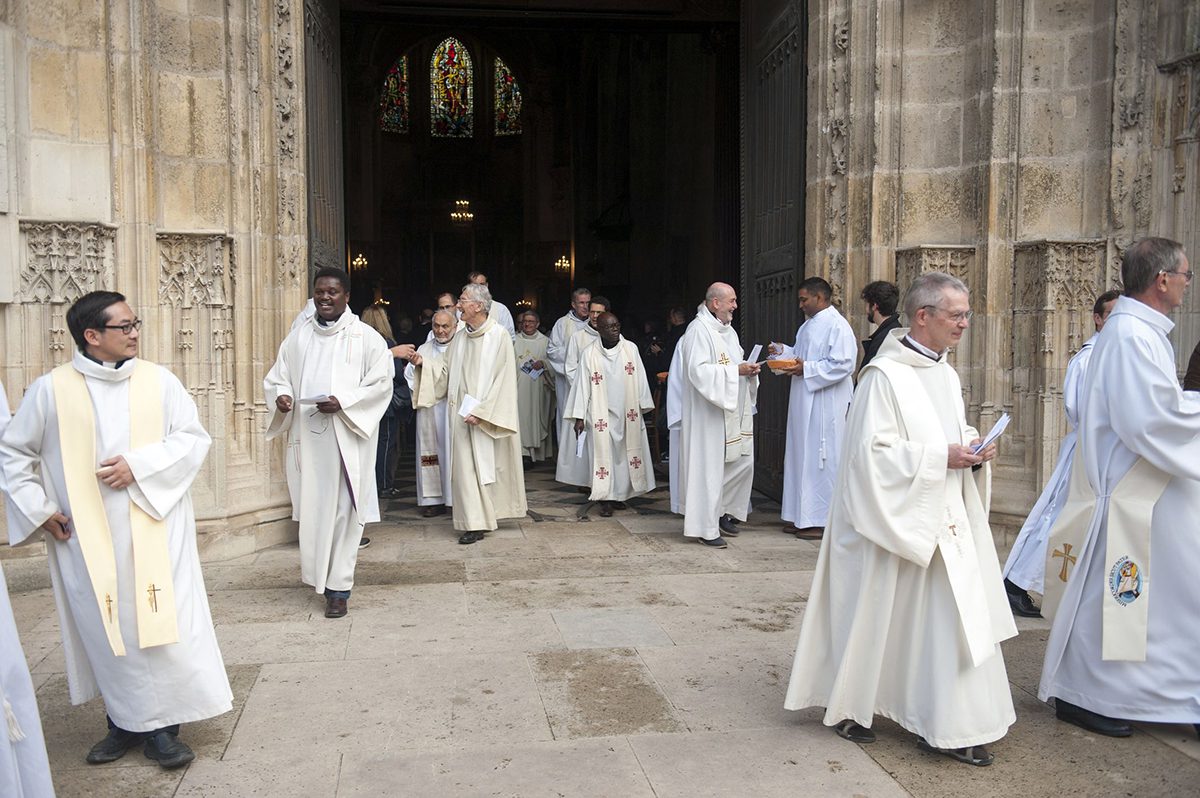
811, 533
335, 607
432, 510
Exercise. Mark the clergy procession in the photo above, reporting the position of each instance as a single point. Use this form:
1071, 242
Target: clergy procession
883, 470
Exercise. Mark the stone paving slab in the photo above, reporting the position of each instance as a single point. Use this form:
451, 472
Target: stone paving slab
610, 627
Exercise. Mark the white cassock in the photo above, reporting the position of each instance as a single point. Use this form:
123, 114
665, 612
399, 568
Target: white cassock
534, 398
147, 688
716, 427
556, 357
573, 470
330, 457
24, 768
1026, 565
817, 416
488, 479
674, 424
1133, 412
433, 430
614, 381
907, 608
306, 313
500, 314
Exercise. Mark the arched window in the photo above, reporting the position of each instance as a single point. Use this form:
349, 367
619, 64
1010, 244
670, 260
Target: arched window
393, 98
451, 91
507, 101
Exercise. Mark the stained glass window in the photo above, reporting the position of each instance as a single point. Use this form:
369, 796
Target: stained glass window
508, 101
451, 93
393, 98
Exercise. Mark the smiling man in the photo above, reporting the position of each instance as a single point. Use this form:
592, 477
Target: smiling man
428, 386
327, 391
907, 608
98, 463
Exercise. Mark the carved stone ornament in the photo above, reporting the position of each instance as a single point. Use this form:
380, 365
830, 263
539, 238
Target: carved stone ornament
1058, 275
65, 260
956, 261
192, 269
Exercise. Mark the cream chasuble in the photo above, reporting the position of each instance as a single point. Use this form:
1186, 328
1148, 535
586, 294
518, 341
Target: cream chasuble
148, 687
488, 479
572, 469
535, 397
556, 357
428, 386
1126, 633
610, 396
907, 608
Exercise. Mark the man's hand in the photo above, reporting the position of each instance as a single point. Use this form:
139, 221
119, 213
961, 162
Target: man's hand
330, 405
404, 351
115, 473
958, 456
655, 349
474, 422
986, 454
747, 369
537, 364
774, 348
416, 359
796, 370
579, 425
284, 403
56, 525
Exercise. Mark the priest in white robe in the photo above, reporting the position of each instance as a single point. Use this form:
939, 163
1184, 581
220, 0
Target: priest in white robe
609, 401
574, 464
24, 768
98, 462
328, 389
1025, 569
428, 386
907, 608
485, 441
535, 390
718, 392
822, 383
572, 322
1125, 644
500, 312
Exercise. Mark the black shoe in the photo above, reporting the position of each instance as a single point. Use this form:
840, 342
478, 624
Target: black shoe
854, 732
470, 537
1092, 721
606, 509
431, 510
114, 746
1023, 605
336, 607
168, 750
364, 542
717, 543
728, 525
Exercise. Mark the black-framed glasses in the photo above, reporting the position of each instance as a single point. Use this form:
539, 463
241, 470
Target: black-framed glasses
127, 328
954, 317
1187, 276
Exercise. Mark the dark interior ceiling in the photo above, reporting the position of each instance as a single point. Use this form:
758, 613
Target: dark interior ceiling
673, 12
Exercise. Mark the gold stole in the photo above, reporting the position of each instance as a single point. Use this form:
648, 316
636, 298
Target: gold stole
157, 624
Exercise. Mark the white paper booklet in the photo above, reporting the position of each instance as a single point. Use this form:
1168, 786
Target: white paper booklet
997, 431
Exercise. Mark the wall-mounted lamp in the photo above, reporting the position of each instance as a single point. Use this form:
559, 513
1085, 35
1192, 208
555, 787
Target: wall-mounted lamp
462, 212
562, 265
359, 263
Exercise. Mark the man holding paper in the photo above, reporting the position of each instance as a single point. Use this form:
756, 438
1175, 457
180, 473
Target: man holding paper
1125, 644
822, 383
428, 386
481, 404
98, 462
716, 405
907, 609
328, 390
608, 401
535, 389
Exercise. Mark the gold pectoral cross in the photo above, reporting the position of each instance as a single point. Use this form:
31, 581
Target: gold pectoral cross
108, 603
1068, 559
152, 592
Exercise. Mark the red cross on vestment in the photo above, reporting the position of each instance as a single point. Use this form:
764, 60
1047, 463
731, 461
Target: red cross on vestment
429, 459
602, 472
597, 378
632, 415
629, 367
601, 425
636, 462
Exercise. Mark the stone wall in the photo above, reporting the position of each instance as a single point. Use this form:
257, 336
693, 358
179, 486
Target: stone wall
156, 148
1019, 145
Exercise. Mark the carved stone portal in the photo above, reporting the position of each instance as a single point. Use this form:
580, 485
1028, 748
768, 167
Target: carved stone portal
64, 260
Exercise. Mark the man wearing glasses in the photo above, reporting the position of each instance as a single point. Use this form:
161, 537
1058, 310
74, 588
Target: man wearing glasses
99, 459
907, 609
1126, 634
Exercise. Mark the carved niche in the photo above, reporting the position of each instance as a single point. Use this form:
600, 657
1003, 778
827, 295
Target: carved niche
957, 261
195, 289
64, 260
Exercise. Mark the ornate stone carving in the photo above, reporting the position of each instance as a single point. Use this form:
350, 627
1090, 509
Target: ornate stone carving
192, 269
65, 260
285, 88
317, 27
1058, 275
957, 261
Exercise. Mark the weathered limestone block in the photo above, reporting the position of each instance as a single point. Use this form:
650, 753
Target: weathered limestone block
51, 102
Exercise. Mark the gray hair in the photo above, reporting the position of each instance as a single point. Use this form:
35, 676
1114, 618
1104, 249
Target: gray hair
927, 291
578, 292
718, 291
477, 292
533, 313
445, 313
1144, 259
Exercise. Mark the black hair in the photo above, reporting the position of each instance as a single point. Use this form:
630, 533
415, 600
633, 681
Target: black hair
883, 295
90, 312
334, 272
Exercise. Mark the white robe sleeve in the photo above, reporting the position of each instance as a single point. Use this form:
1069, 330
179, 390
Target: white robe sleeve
836, 359
715, 383
28, 504
279, 382
364, 404
556, 349
891, 486
163, 472
1073, 386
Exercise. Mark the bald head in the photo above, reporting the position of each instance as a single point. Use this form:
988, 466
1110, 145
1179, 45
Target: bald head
444, 323
719, 291
721, 301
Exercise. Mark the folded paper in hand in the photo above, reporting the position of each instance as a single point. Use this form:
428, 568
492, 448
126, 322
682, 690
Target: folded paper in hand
314, 400
990, 438
579, 443
467, 406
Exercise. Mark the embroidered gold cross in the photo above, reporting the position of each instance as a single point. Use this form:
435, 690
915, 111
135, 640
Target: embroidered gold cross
153, 592
1068, 559
108, 603
723, 359
954, 530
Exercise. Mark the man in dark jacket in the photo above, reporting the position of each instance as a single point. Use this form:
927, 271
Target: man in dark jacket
881, 298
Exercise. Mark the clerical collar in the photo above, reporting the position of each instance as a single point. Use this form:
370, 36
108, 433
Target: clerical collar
324, 323
920, 348
108, 364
